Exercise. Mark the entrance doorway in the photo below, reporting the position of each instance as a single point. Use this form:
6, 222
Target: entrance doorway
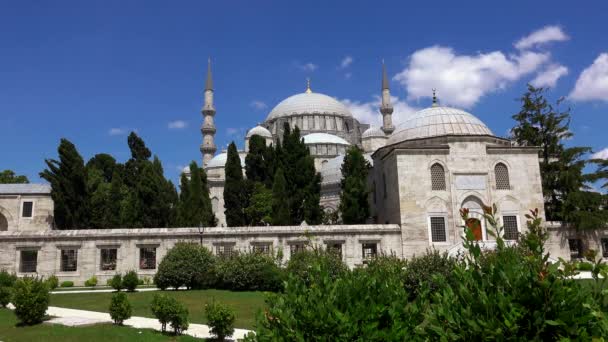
3, 223
475, 226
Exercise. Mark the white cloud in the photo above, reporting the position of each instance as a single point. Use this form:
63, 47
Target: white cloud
545, 35
603, 154
258, 105
177, 124
308, 67
369, 112
592, 84
549, 76
463, 79
346, 62
117, 131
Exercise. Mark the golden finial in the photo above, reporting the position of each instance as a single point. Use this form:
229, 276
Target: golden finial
434, 98
308, 90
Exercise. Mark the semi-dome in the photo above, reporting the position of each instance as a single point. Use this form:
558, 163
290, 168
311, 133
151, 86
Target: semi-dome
259, 130
308, 103
438, 121
331, 171
220, 160
373, 132
323, 138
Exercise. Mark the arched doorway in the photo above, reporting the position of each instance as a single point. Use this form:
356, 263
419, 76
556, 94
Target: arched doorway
474, 225
3, 223
475, 222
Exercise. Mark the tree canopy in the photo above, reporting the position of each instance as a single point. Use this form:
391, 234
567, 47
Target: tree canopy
354, 201
9, 177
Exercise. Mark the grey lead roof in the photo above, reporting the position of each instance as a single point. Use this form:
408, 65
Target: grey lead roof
24, 189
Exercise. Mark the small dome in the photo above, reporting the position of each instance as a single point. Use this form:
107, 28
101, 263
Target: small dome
331, 172
308, 103
438, 121
373, 132
324, 138
220, 160
259, 130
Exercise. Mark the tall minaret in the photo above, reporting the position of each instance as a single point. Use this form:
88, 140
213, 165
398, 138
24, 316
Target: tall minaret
386, 108
208, 147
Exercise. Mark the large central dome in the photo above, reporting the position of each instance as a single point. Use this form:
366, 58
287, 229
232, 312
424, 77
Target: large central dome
308, 103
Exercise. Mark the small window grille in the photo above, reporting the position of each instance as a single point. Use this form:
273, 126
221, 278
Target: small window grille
262, 248
605, 248
224, 251
576, 248
502, 177
437, 177
370, 250
335, 248
147, 258
27, 209
69, 260
29, 261
510, 227
438, 233
107, 261
296, 248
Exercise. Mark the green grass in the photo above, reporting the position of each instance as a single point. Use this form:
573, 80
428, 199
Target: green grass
9, 331
245, 304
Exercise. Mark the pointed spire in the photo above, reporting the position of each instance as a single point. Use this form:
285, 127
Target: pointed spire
435, 104
209, 83
308, 90
384, 78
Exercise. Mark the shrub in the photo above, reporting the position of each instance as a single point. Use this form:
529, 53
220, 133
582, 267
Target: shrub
116, 282
186, 264
91, 282
249, 272
221, 320
301, 264
130, 281
120, 308
421, 271
7, 281
584, 266
31, 299
168, 310
140, 282
147, 281
52, 282
67, 283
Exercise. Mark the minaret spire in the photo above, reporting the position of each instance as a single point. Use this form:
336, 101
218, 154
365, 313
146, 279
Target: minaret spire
308, 90
386, 108
208, 130
435, 103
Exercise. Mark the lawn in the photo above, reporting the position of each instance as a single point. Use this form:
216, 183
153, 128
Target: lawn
100, 332
245, 304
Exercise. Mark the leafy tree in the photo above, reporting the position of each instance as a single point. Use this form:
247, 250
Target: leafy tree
256, 161
354, 204
9, 177
186, 264
221, 320
139, 151
194, 202
31, 299
234, 196
259, 211
104, 163
280, 202
67, 177
120, 308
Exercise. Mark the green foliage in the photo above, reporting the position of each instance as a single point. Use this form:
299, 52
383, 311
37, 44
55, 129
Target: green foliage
31, 299
259, 210
120, 308
67, 283
105, 163
257, 160
169, 311
9, 177
194, 206
221, 320
428, 271
7, 280
186, 264
130, 281
306, 265
280, 200
234, 186
116, 282
354, 203
91, 282
249, 272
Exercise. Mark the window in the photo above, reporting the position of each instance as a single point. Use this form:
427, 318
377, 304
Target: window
27, 209
438, 233
262, 248
107, 260
69, 260
147, 258
224, 250
437, 177
502, 177
29, 261
296, 248
370, 250
336, 248
510, 227
576, 248
604, 248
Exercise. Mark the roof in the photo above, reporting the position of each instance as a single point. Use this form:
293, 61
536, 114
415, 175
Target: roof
373, 132
259, 130
220, 160
308, 103
323, 138
331, 171
439, 121
24, 189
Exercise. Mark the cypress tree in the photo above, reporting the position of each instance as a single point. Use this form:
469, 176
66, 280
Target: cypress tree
185, 209
234, 189
280, 203
116, 196
105, 163
195, 204
256, 168
354, 204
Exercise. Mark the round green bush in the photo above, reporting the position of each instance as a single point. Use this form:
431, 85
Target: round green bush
67, 283
169, 311
584, 266
91, 282
249, 272
423, 270
307, 264
7, 280
186, 264
31, 299
120, 308
52, 282
221, 320
116, 282
130, 281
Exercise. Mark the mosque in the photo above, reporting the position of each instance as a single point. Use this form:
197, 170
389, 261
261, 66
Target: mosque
424, 170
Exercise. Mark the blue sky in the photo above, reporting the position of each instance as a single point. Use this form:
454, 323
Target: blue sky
93, 71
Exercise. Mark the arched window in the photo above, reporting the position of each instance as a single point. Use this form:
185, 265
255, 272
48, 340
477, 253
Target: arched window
501, 174
437, 177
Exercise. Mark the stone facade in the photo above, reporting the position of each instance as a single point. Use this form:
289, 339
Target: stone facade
25, 207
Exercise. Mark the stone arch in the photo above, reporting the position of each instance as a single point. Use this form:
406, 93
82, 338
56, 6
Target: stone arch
5, 219
476, 220
436, 205
437, 174
508, 204
501, 176
215, 202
